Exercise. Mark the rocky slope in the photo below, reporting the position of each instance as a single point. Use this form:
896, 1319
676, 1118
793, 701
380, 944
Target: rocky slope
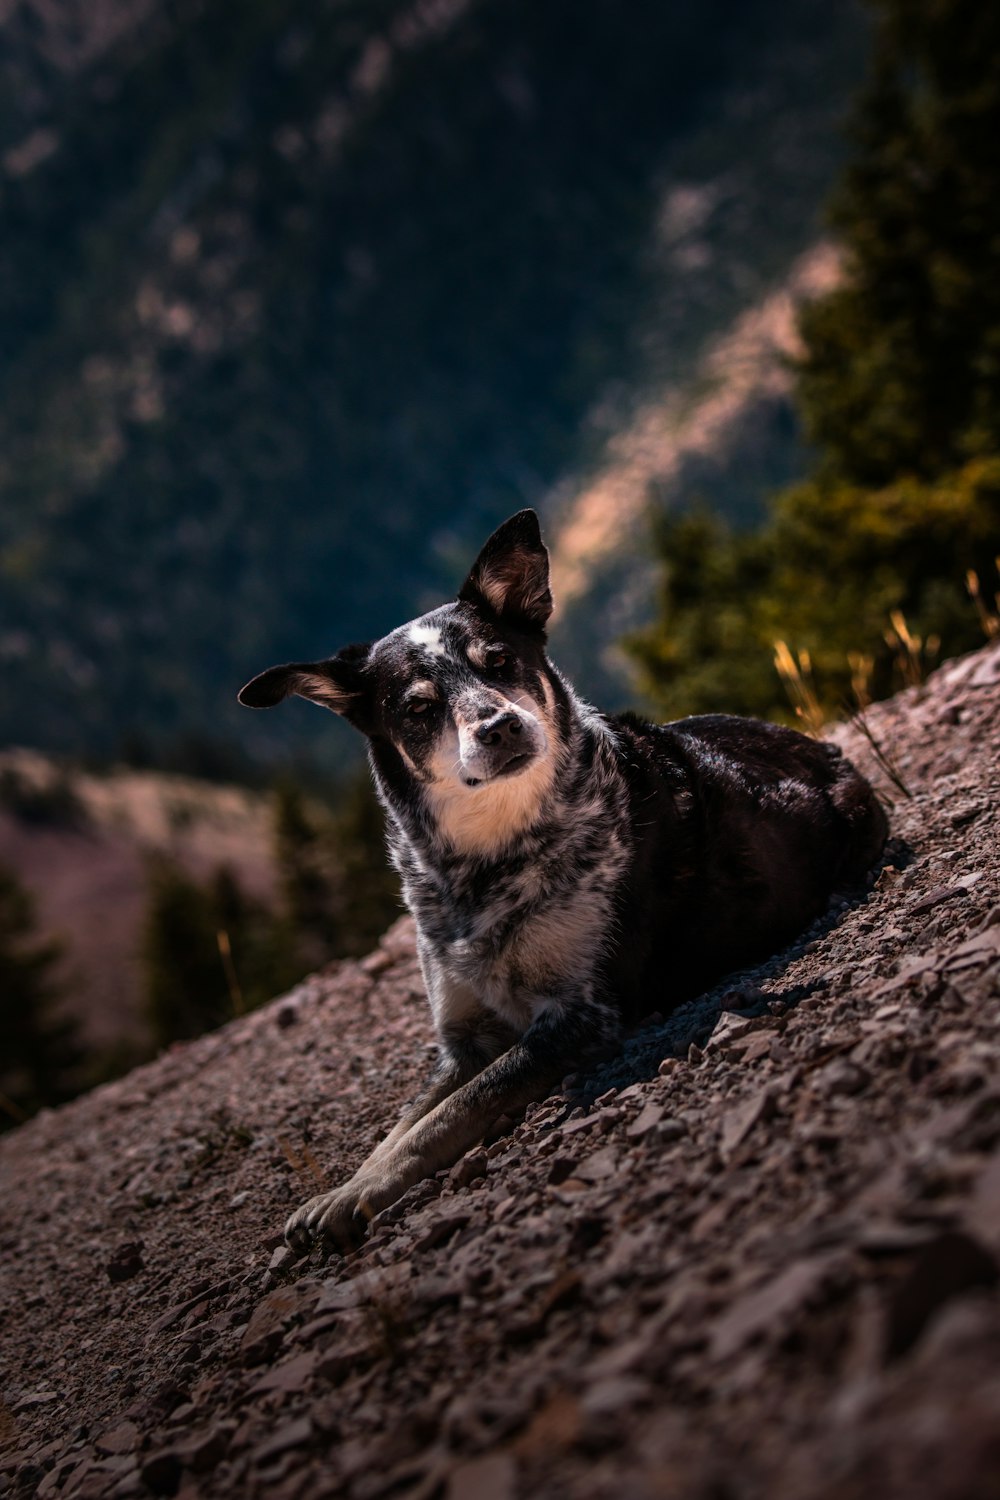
758, 1255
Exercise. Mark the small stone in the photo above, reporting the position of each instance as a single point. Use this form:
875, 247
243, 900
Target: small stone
769, 1308
119, 1439
491, 1478
474, 1164
442, 1227
291, 1376
606, 1397
34, 1398
376, 963
738, 1122
126, 1262
294, 1434
937, 898
599, 1166
204, 1449
758, 1046
265, 1330
844, 1077
644, 1122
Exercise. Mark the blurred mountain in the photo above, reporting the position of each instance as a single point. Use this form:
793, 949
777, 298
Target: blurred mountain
297, 300
85, 845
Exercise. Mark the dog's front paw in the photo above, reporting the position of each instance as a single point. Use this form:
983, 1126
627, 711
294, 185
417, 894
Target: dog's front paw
340, 1218
334, 1217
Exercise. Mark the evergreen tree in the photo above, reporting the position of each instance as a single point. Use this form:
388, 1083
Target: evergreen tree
901, 373
40, 1055
825, 574
186, 988
899, 387
369, 899
209, 952
303, 859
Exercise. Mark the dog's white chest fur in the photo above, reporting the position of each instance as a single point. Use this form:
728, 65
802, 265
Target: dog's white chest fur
520, 964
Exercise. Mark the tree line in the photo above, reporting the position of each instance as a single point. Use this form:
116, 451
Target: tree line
209, 950
898, 389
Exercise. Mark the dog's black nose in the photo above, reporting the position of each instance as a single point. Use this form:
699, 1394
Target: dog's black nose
501, 728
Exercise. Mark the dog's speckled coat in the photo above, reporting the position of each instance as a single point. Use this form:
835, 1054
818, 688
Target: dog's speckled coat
568, 872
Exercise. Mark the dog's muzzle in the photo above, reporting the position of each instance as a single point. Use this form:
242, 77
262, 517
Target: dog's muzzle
501, 745
503, 729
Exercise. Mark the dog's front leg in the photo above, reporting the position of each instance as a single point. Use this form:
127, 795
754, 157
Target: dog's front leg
555, 1044
342, 1216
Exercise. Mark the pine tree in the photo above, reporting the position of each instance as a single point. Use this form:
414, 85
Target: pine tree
40, 1054
901, 373
210, 952
899, 388
186, 988
369, 899
307, 886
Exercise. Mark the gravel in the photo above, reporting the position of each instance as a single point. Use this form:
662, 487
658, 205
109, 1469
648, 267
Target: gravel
757, 1254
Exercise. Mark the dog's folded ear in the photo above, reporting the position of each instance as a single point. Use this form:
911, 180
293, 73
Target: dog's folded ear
510, 577
337, 683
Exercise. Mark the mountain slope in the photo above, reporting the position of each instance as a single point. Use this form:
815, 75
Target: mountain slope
757, 1255
297, 302
84, 846
719, 438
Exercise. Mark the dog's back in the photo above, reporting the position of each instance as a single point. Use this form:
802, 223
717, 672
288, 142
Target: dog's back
741, 830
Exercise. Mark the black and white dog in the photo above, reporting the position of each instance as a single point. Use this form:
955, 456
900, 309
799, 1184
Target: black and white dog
569, 872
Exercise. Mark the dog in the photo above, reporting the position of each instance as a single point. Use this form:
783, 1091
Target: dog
569, 871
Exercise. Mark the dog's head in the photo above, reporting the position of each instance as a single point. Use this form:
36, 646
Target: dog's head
459, 705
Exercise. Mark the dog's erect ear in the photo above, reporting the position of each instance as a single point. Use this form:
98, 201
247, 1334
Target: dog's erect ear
511, 574
337, 683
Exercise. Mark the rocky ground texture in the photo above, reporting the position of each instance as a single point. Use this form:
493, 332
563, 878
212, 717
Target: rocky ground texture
757, 1256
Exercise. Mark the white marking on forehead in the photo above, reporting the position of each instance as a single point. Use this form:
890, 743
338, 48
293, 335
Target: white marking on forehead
427, 637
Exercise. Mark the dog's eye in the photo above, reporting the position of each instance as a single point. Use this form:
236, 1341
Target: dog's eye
418, 706
497, 661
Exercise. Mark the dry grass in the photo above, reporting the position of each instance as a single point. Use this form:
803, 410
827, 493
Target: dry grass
862, 664
303, 1163
987, 610
883, 757
912, 655
232, 978
796, 674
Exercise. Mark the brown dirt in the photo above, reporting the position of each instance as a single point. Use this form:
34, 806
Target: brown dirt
757, 1256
